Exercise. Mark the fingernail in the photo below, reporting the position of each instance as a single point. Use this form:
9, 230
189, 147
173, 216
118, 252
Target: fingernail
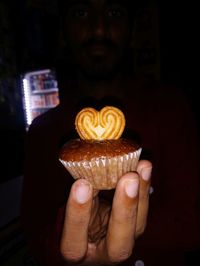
131, 188
82, 192
146, 173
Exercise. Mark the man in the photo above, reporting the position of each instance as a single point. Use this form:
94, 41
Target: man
64, 221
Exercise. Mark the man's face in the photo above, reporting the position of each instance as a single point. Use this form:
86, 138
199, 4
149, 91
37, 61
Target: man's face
98, 34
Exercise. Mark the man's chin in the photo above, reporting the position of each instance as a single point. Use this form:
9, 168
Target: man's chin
100, 74
99, 71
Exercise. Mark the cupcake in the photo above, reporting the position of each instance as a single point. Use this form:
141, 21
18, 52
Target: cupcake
100, 155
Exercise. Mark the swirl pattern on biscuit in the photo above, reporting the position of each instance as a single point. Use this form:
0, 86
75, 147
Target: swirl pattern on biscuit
108, 123
86, 121
112, 119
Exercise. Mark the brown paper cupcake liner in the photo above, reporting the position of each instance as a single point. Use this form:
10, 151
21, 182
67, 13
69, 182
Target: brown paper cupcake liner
102, 172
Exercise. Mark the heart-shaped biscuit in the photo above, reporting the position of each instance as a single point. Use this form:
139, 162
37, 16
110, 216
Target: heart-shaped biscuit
108, 123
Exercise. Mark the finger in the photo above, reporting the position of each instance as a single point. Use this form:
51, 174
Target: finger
121, 230
144, 169
75, 230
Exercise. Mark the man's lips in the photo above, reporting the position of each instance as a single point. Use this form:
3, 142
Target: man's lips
101, 48
98, 49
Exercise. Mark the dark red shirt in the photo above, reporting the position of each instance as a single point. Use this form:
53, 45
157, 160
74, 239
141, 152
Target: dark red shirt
162, 120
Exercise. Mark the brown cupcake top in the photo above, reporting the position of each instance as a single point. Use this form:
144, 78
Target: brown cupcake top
78, 149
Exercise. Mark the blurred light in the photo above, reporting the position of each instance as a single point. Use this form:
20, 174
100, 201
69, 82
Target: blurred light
27, 101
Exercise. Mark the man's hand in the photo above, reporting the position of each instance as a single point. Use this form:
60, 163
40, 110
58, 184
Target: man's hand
97, 233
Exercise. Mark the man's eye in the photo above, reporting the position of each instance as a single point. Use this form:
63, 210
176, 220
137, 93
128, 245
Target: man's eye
79, 13
115, 12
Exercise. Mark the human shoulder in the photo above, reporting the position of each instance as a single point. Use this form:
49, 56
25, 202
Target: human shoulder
151, 92
161, 94
53, 125
45, 120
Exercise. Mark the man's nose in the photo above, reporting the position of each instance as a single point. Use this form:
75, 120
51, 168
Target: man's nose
99, 27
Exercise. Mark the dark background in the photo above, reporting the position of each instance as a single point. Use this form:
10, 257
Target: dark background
29, 40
